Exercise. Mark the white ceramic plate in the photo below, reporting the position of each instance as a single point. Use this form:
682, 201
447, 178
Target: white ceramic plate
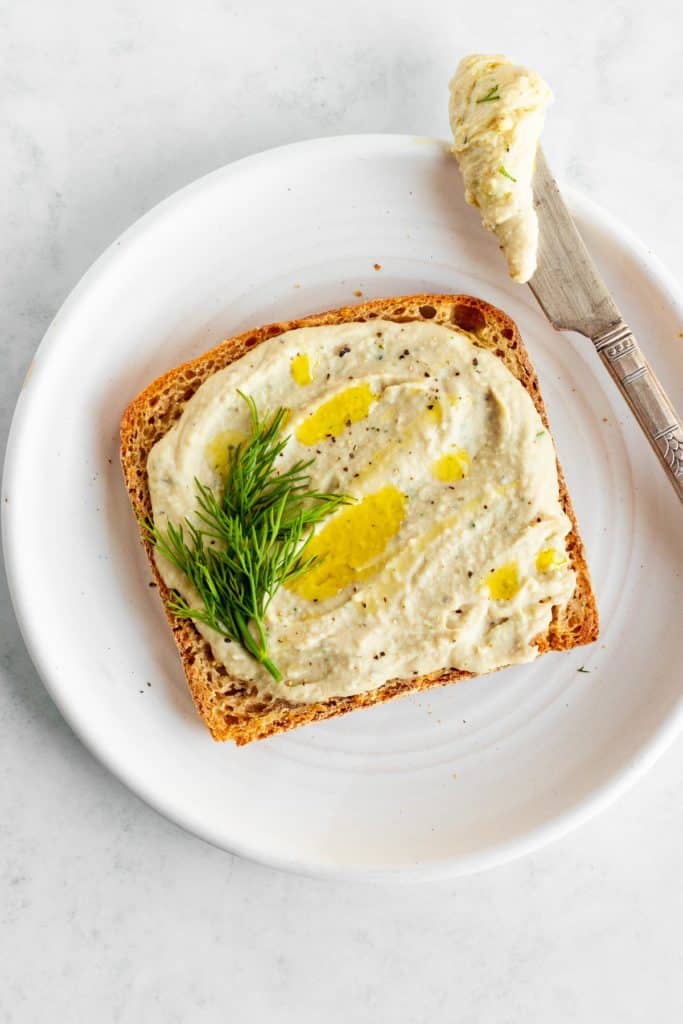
446, 782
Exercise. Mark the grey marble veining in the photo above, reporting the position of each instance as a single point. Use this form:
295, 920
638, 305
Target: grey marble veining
109, 913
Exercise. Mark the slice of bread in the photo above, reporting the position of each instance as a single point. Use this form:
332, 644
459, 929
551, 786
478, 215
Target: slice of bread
231, 708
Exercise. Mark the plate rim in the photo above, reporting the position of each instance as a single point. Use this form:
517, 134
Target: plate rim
599, 798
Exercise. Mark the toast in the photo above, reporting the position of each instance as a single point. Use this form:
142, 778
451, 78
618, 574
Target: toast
231, 708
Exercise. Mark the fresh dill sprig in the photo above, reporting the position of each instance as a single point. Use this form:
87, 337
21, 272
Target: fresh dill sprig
249, 540
491, 95
506, 174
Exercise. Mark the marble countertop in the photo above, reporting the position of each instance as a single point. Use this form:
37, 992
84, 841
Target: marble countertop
107, 911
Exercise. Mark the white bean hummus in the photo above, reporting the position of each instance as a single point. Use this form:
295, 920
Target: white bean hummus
497, 111
452, 553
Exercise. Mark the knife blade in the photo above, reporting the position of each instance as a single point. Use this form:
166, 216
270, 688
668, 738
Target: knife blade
573, 296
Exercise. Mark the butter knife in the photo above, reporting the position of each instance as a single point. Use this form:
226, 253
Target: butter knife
574, 297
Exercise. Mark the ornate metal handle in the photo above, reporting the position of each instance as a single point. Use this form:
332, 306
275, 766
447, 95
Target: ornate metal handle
638, 384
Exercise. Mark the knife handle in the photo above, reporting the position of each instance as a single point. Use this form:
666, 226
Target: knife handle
637, 382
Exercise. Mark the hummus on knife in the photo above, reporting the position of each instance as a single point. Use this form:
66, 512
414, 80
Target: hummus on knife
496, 112
453, 551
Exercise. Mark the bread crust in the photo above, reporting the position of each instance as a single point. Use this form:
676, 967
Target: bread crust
231, 708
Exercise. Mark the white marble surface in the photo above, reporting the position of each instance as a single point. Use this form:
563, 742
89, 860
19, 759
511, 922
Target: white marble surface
109, 913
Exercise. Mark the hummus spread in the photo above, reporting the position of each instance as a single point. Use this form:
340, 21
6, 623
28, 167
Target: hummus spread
496, 112
453, 550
